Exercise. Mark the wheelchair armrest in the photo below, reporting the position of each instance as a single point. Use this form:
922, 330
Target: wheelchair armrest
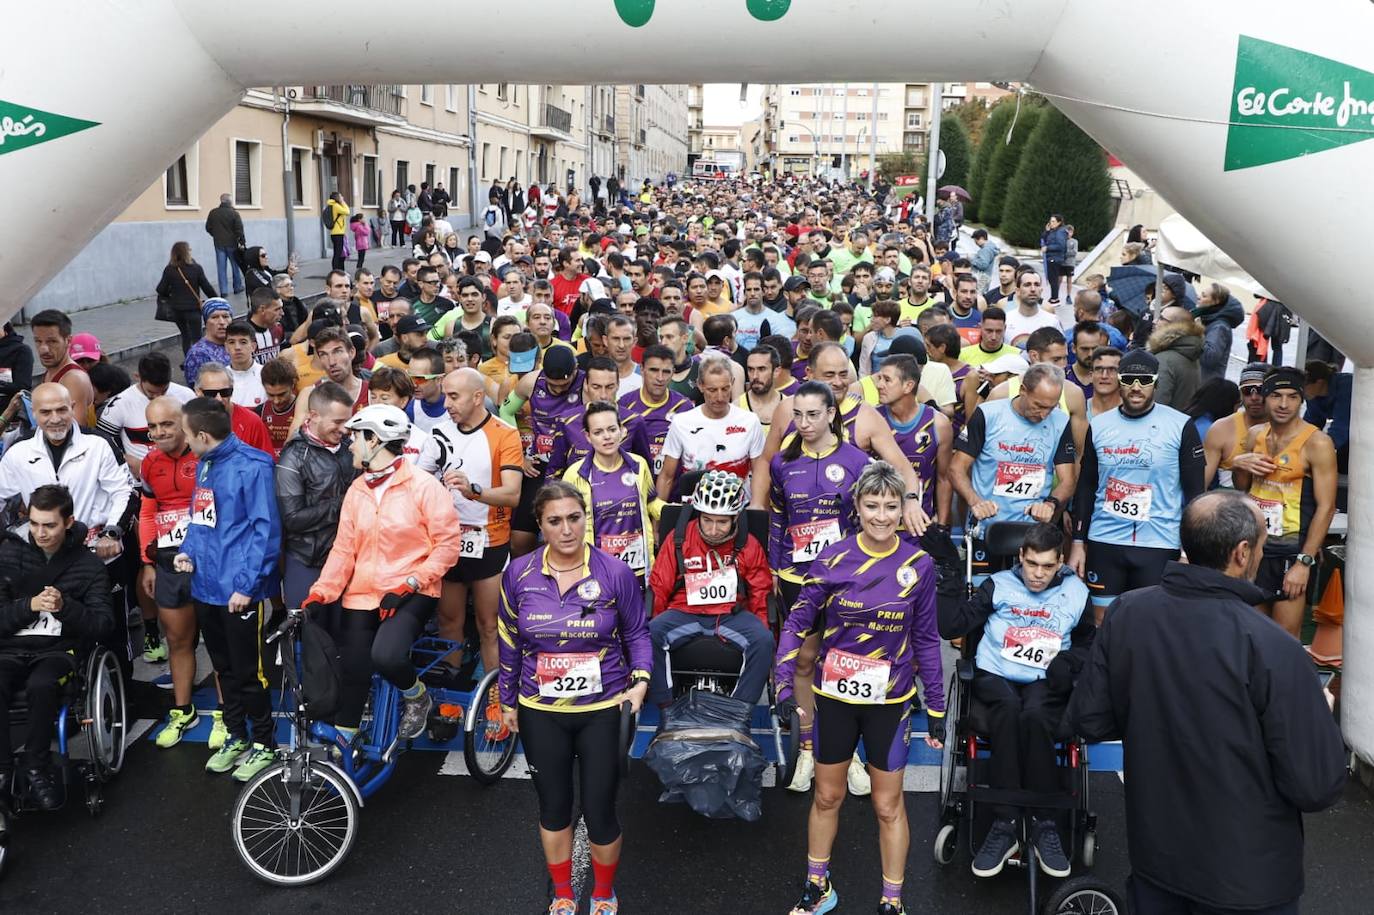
775, 614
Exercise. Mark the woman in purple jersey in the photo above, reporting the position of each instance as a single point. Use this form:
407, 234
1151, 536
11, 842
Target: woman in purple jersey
619, 488
871, 597
574, 644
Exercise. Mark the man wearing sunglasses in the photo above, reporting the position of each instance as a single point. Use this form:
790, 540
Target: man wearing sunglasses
1225, 442
215, 383
426, 410
1142, 463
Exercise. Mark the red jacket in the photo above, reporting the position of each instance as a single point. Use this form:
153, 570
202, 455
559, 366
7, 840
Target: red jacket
751, 565
249, 427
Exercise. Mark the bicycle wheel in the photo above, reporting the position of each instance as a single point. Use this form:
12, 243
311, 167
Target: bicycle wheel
288, 850
488, 745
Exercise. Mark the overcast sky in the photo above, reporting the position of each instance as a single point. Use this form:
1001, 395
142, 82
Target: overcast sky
723, 109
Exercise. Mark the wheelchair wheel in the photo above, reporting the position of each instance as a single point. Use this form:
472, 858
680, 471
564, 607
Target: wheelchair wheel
1084, 896
787, 743
488, 746
105, 713
949, 755
293, 850
946, 843
1089, 851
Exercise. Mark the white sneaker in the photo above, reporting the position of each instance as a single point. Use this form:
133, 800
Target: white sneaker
860, 785
806, 771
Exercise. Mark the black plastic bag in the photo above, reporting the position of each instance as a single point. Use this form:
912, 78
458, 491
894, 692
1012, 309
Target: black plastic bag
322, 672
705, 756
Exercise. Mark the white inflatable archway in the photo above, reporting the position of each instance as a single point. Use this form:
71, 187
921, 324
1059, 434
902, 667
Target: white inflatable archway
1245, 116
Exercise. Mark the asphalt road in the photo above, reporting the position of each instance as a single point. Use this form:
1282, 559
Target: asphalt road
432, 841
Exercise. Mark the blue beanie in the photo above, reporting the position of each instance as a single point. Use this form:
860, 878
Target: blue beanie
213, 305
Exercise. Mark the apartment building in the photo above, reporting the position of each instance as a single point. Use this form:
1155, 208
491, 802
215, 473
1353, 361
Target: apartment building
651, 132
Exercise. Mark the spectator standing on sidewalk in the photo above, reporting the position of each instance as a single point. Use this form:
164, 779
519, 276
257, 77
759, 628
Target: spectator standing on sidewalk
1237, 685
336, 219
183, 280
226, 230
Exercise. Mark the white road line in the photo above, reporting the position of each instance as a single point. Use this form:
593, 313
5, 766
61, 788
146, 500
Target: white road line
455, 764
137, 730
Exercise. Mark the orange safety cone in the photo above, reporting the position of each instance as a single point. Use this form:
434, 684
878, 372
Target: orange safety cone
1329, 615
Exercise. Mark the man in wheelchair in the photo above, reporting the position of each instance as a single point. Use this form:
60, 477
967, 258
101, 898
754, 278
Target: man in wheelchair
1036, 624
54, 598
712, 579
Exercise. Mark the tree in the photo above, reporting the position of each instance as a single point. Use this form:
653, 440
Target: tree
957, 149
890, 165
1062, 170
974, 114
994, 137
1002, 167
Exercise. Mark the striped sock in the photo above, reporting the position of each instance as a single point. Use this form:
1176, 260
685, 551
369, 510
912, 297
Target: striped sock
562, 879
892, 892
818, 871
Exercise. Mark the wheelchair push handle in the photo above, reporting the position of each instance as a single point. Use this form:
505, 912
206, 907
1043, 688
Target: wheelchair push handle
627, 734
293, 620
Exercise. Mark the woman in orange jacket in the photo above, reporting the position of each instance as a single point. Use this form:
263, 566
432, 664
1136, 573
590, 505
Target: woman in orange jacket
398, 534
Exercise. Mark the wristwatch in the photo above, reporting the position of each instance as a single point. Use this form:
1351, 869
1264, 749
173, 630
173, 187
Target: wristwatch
1053, 500
912, 496
1306, 560
476, 490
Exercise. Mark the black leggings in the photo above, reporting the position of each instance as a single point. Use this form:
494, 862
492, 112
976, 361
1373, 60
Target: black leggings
190, 327
398, 232
366, 644
552, 740
234, 643
338, 263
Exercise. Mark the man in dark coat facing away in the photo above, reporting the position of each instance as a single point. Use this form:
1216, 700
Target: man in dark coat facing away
1228, 739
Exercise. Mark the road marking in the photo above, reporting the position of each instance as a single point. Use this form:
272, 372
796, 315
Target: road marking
455, 764
137, 730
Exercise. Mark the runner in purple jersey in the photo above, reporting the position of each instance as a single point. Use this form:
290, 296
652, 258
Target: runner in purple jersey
653, 406
570, 435
924, 434
871, 598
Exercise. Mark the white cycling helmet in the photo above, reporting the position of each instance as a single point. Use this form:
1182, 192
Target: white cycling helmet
387, 423
719, 492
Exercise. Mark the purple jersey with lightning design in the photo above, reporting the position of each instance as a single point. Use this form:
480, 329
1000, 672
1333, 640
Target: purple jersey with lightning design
875, 614
570, 442
920, 443
573, 652
809, 505
654, 419
547, 412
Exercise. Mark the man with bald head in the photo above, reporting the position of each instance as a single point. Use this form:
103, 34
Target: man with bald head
60, 452
1188, 663
481, 464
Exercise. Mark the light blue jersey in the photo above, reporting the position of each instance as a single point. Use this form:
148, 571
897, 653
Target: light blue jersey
1027, 629
1140, 498
1013, 458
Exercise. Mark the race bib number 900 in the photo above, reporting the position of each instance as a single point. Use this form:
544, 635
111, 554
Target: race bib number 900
717, 586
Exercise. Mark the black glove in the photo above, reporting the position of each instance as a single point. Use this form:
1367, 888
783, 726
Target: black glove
935, 726
313, 608
1059, 675
392, 599
784, 708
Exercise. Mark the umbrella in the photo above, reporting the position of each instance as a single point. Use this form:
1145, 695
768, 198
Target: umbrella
956, 190
1128, 283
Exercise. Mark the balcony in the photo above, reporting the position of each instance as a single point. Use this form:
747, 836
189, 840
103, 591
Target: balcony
607, 128
555, 124
354, 104
642, 137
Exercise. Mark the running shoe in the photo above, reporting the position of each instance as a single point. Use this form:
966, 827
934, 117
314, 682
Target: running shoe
414, 713
1048, 848
178, 723
815, 900
806, 771
563, 907
496, 727
163, 681
860, 785
258, 758
604, 906
887, 908
218, 732
154, 650
997, 849
227, 756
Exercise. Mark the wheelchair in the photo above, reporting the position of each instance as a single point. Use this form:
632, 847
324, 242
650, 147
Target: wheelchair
713, 665
91, 727
966, 799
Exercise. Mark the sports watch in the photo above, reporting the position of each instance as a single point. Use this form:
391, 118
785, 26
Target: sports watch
1306, 560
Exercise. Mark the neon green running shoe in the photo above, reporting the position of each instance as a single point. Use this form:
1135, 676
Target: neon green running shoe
258, 758
218, 732
154, 650
178, 723
227, 756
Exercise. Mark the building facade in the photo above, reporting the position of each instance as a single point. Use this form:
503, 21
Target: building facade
696, 118
829, 128
279, 153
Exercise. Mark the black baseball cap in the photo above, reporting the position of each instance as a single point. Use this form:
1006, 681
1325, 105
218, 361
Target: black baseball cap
412, 324
794, 283
559, 362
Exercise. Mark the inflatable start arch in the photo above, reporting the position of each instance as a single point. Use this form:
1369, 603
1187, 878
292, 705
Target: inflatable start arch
1248, 118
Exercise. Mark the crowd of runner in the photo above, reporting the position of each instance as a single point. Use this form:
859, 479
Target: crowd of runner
493, 430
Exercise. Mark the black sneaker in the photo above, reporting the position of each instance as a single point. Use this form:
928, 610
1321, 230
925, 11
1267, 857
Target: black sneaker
1049, 849
815, 899
43, 792
887, 908
998, 847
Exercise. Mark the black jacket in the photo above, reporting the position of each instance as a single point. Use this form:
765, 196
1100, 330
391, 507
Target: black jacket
16, 367
311, 483
87, 614
184, 294
1227, 738
255, 275
225, 226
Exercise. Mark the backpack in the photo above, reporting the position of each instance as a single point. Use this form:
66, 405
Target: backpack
327, 217
321, 671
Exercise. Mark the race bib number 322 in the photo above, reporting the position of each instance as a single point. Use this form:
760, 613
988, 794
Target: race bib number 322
568, 676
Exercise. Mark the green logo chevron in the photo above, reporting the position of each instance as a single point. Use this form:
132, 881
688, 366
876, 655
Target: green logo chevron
1288, 103
21, 127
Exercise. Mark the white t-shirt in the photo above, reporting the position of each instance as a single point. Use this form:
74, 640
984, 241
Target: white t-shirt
938, 381
507, 307
422, 450
1020, 325
631, 382
126, 415
702, 443
248, 390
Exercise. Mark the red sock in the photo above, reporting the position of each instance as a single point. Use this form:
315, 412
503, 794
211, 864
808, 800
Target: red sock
603, 875
562, 879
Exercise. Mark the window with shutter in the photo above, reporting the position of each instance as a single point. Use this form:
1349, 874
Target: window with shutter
243, 174
370, 197
177, 185
298, 177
